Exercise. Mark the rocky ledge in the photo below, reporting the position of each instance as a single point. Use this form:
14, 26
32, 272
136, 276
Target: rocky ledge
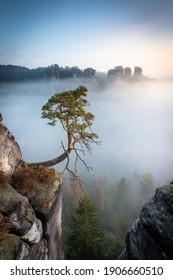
151, 236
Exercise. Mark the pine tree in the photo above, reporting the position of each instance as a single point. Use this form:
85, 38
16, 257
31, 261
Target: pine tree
68, 108
85, 238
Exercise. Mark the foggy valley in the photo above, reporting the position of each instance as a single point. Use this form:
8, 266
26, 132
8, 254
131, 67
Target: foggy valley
133, 121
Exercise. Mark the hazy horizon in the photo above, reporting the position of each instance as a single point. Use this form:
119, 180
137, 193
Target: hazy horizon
99, 34
98, 74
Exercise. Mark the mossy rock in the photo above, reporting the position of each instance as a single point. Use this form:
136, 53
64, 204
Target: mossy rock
16, 210
39, 185
10, 198
44, 197
11, 247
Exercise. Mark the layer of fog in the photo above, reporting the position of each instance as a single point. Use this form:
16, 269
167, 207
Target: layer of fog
133, 121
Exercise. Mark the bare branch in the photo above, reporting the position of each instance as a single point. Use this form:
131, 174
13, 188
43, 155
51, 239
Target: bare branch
78, 157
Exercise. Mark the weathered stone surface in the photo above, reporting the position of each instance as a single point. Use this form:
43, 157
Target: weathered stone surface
54, 229
157, 217
10, 154
34, 235
12, 248
140, 245
46, 200
23, 252
43, 196
16, 210
38, 251
151, 236
48, 206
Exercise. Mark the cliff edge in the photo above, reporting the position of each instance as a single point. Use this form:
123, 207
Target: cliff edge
30, 206
10, 154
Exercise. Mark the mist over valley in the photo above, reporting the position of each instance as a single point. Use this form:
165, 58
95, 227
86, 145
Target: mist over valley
133, 121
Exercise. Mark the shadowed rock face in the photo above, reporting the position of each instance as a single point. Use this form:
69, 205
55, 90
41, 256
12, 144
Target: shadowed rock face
10, 154
24, 229
151, 236
16, 210
30, 210
36, 234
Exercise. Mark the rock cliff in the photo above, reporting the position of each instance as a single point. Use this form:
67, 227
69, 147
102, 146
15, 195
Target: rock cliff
30, 206
10, 154
151, 236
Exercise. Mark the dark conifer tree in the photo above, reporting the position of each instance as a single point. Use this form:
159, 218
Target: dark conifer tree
85, 238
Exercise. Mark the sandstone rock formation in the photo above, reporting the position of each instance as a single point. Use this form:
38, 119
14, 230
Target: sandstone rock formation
30, 206
120, 73
137, 72
151, 236
10, 154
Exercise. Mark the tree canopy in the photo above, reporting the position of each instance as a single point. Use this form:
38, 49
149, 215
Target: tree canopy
68, 107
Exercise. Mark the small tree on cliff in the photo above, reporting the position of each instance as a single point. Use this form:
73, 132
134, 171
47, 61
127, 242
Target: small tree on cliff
68, 107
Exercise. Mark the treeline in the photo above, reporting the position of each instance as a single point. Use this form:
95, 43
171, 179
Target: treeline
118, 205
11, 73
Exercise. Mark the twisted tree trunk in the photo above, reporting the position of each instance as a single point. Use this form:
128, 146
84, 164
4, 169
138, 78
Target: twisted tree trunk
54, 161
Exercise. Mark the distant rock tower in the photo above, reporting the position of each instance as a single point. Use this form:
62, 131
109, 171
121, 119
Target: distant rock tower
137, 72
119, 72
127, 73
116, 73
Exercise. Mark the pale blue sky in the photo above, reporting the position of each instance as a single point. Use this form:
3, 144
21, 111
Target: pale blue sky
88, 33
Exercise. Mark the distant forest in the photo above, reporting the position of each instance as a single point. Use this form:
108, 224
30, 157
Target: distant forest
11, 73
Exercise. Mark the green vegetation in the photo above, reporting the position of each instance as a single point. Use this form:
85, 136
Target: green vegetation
12, 73
68, 108
118, 205
85, 239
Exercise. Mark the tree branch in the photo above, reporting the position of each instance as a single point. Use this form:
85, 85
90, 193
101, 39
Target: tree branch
54, 161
